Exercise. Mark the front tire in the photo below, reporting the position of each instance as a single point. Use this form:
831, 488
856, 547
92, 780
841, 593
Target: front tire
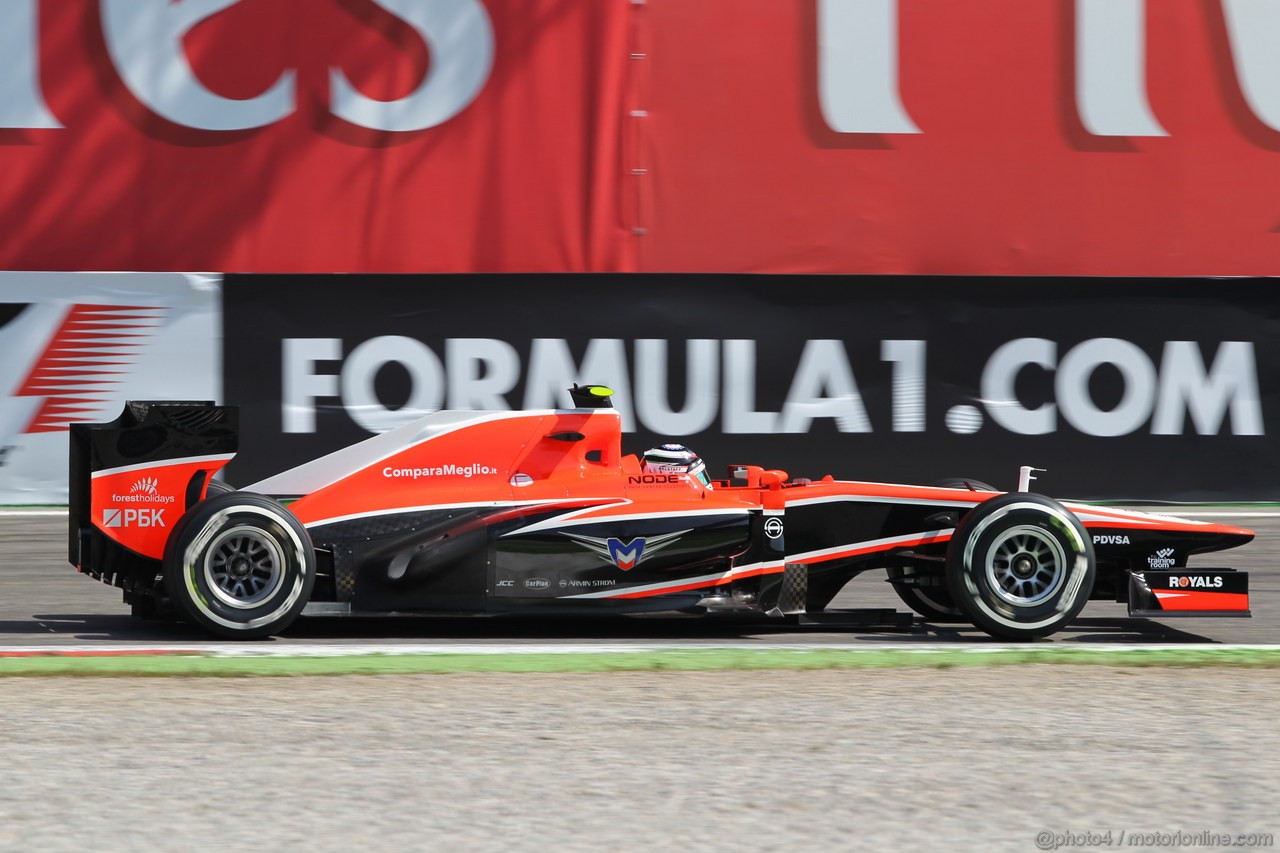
240, 565
964, 483
934, 603
1021, 566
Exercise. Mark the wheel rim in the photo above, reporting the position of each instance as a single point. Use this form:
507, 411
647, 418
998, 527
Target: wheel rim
1026, 565
245, 567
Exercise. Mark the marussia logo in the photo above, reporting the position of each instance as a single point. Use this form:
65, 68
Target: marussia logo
627, 555
145, 486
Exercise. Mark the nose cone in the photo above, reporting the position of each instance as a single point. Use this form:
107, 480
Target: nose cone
1239, 536
1217, 537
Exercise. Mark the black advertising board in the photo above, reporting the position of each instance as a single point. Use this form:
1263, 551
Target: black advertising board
1119, 388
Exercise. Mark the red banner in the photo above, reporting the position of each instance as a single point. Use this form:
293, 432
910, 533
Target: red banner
989, 137
1073, 137
312, 135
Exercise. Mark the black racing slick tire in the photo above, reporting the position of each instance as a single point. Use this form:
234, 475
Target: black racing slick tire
934, 602
217, 487
964, 483
1021, 566
240, 565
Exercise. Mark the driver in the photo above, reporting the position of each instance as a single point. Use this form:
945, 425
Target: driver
675, 459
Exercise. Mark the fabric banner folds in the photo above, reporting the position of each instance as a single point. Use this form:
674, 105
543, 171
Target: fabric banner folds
324, 135
985, 137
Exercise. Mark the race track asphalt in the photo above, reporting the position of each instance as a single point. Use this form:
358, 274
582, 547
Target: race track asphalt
44, 602
999, 759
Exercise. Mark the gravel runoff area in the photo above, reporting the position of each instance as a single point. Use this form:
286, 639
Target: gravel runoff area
918, 759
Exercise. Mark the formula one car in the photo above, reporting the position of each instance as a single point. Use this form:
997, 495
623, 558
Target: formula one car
540, 512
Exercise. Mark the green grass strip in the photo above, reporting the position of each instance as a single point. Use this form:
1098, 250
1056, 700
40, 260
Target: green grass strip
682, 660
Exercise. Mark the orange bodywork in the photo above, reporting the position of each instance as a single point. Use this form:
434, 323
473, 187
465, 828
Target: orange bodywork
546, 457
138, 505
1200, 600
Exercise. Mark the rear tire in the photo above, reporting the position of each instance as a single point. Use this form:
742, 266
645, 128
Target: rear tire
240, 565
1021, 566
217, 487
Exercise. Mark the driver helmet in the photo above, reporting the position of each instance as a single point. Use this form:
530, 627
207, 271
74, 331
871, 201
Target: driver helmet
675, 459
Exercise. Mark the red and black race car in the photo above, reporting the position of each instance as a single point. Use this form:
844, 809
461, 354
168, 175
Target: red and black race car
541, 512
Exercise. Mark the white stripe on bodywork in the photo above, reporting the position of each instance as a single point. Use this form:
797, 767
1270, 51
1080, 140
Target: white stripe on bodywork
163, 463
887, 542
1130, 516
377, 513
1083, 512
876, 499
724, 577
570, 518
706, 580
575, 517
318, 473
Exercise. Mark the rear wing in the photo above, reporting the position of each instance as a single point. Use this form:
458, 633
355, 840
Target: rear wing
131, 479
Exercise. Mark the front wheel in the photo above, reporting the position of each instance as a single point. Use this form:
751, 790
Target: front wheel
928, 595
240, 565
1021, 566
964, 483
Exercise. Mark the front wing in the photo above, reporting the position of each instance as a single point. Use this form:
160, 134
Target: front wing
1188, 592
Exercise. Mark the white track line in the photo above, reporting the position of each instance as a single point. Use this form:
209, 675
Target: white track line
344, 650
1253, 513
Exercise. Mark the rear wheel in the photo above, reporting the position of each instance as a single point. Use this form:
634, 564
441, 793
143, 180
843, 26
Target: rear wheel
1021, 566
240, 565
